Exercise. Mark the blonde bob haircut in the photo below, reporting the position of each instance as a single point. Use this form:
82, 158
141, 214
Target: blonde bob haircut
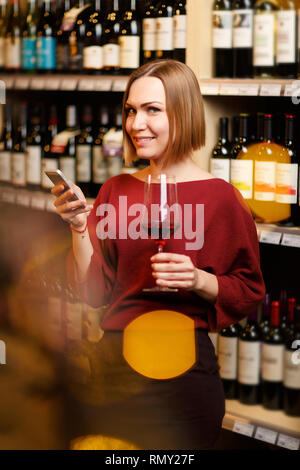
184, 106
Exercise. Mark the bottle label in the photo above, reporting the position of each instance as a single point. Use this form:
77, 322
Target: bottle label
222, 30
70, 18
264, 40
46, 53
2, 52
5, 172
129, 52
93, 57
286, 37
179, 31
220, 168
13, 53
114, 166
33, 164
99, 165
227, 354
111, 55
241, 176
149, 34
60, 141
67, 166
48, 164
249, 362
243, 29
286, 183
76, 53
272, 362
28, 54
83, 163
74, 321
291, 377
164, 34
62, 56
264, 181
18, 169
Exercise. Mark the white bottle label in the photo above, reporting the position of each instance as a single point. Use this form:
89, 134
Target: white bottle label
13, 53
99, 165
243, 29
241, 176
222, 30
114, 166
2, 52
83, 163
286, 183
67, 166
149, 34
111, 55
227, 355
272, 362
93, 57
48, 164
129, 52
291, 377
5, 166
164, 34
18, 169
33, 164
74, 321
249, 362
179, 27
264, 40
286, 37
220, 168
264, 181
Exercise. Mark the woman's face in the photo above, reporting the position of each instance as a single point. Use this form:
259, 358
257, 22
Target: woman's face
147, 122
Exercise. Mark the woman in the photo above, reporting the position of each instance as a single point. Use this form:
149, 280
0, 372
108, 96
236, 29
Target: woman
219, 281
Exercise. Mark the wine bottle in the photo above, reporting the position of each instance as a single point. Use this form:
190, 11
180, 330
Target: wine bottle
78, 35
227, 357
179, 28
264, 46
286, 39
49, 159
29, 38
84, 145
65, 25
242, 38
264, 324
241, 172
113, 145
34, 150
6, 147
235, 131
260, 123
93, 44
164, 30
149, 31
222, 39
102, 126
272, 362
111, 47
220, 159
46, 39
249, 359
283, 303
129, 39
18, 158
13, 38
3, 13
291, 378
288, 331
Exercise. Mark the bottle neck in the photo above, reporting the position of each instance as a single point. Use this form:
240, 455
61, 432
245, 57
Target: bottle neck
244, 127
71, 117
224, 129
289, 131
275, 314
268, 128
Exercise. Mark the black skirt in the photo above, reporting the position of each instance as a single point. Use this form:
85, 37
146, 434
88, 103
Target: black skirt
184, 412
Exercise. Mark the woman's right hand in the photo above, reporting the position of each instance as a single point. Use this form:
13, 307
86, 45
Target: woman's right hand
72, 212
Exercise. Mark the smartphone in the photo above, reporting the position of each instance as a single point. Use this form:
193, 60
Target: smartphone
57, 177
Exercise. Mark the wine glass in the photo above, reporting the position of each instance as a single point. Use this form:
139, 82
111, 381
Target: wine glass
161, 213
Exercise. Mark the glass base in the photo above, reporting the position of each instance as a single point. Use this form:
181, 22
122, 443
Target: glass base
160, 289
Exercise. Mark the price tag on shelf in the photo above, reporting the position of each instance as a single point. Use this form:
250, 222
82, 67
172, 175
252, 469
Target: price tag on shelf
22, 83
9, 195
38, 202
86, 84
52, 83
37, 83
272, 238
102, 84
119, 84
9, 82
293, 89
266, 435
245, 429
239, 89
209, 88
68, 84
270, 90
23, 198
289, 239
288, 442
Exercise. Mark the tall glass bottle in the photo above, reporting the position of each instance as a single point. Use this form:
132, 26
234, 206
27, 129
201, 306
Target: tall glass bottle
78, 35
242, 38
129, 39
101, 127
222, 38
93, 44
164, 30
84, 146
46, 39
13, 38
179, 27
18, 158
111, 47
29, 38
65, 25
49, 159
149, 31
264, 324
264, 47
289, 330
286, 39
220, 159
227, 357
291, 379
34, 149
6, 147
3, 13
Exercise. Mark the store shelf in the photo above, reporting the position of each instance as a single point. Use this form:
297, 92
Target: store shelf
276, 235
261, 424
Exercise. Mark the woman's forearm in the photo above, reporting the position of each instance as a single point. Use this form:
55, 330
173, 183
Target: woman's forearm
207, 286
83, 251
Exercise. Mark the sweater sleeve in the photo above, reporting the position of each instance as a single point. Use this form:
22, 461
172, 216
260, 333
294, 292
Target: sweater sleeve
240, 280
95, 289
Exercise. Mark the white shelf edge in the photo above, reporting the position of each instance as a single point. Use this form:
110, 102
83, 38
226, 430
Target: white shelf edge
287, 88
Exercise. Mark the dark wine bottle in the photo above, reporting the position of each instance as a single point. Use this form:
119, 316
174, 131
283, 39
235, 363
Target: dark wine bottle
179, 26
84, 145
34, 149
66, 19
13, 38
291, 379
6, 147
272, 362
264, 324
244, 139
242, 38
3, 18
249, 358
220, 159
288, 331
222, 39
129, 39
227, 356
149, 31
49, 159
164, 30
93, 44
286, 39
99, 168
29, 38
283, 303
18, 158
78, 36
260, 123
111, 47
46, 39
264, 45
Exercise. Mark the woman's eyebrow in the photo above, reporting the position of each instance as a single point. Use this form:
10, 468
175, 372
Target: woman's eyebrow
144, 104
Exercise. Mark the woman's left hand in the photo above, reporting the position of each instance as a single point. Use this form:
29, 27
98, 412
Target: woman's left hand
173, 270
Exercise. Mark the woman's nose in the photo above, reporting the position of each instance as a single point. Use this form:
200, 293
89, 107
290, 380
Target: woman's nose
139, 121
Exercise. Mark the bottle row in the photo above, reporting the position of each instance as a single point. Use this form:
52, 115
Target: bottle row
99, 36
260, 363
262, 163
88, 150
256, 38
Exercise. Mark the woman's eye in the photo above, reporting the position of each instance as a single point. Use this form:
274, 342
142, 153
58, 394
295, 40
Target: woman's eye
130, 111
154, 110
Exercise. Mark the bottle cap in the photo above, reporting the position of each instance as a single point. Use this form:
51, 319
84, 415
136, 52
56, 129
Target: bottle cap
275, 313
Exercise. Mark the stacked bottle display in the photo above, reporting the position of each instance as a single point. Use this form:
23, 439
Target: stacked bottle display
88, 150
260, 362
97, 36
256, 38
262, 162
